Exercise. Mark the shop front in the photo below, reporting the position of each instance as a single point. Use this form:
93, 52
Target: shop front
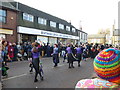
45, 36
28, 38
6, 34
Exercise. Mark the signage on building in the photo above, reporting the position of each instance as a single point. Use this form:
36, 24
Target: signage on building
54, 34
6, 31
45, 33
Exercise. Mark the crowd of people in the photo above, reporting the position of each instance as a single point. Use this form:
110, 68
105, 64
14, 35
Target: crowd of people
33, 51
11, 51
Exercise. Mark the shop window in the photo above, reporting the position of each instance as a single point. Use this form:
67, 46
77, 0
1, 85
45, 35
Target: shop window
73, 30
2, 36
28, 17
52, 41
42, 21
61, 26
3, 16
42, 39
67, 28
53, 24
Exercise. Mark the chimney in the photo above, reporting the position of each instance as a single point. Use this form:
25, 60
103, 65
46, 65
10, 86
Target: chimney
70, 21
80, 26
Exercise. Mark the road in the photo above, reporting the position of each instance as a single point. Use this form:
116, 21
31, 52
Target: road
54, 77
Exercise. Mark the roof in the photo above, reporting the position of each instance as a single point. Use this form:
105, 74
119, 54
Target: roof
7, 5
38, 13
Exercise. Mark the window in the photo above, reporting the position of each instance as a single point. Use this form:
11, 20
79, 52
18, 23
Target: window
53, 24
3, 16
67, 28
84, 36
61, 26
81, 35
42, 21
73, 30
28, 17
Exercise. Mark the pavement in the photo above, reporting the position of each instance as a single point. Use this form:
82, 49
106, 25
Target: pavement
54, 77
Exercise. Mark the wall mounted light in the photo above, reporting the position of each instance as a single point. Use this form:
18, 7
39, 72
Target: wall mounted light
12, 18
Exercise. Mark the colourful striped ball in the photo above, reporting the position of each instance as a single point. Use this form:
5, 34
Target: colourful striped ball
107, 65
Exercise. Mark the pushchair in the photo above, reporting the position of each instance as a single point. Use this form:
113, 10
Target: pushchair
19, 57
4, 69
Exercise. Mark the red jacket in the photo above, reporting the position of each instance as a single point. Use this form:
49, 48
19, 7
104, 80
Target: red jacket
11, 51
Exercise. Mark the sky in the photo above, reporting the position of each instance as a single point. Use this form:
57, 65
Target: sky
92, 15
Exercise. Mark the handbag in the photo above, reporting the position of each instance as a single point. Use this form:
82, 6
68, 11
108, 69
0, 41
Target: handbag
25, 54
19, 55
75, 59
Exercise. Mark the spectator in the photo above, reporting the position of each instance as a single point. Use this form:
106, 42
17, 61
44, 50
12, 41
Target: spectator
48, 51
15, 52
10, 52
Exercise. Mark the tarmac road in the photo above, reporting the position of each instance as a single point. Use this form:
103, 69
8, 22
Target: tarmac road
54, 77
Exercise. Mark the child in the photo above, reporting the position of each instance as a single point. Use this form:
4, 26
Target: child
4, 69
107, 68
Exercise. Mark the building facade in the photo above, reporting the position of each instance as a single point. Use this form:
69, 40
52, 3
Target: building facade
8, 22
97, 38
82, 36
26, 24
116, 37
37, 25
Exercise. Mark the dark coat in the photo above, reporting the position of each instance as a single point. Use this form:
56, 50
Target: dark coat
55, 58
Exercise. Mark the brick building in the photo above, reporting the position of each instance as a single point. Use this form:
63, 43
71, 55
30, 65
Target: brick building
8, 22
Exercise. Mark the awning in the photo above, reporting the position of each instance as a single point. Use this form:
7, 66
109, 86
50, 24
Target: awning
6, 31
